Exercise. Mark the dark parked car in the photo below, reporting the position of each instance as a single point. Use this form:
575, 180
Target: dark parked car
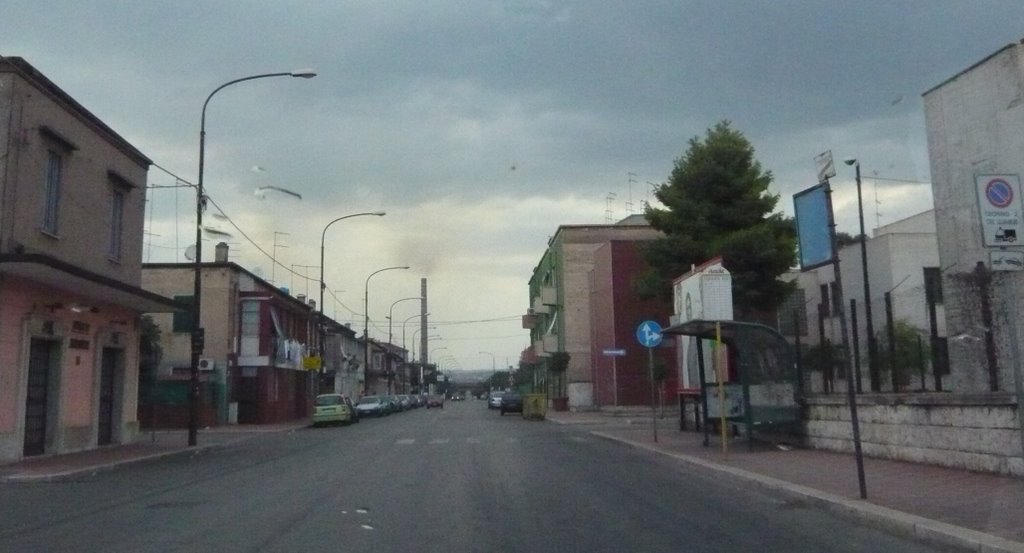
372, 406
511, 402
436, 400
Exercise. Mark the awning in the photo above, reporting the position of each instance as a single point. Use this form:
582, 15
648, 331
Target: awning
73, 279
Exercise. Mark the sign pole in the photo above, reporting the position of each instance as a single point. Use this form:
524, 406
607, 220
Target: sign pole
649, 336
615, 383
851, 397
654, 407
721, 390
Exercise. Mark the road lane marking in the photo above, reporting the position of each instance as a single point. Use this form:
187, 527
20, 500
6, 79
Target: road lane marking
472, 440
405, 441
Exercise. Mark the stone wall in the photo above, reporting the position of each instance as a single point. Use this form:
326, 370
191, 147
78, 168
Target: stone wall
974, 432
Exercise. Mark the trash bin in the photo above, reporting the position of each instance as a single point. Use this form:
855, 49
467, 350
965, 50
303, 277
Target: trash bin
535, 406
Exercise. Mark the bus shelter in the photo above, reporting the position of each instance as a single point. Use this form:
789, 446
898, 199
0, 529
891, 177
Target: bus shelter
766, 383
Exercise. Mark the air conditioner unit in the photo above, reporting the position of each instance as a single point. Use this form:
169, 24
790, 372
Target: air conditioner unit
206, 364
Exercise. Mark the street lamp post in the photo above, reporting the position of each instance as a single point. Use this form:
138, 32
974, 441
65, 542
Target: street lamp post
323, 235
873, 375
320, 320
366, 314
391, 311
197, 332
406, 322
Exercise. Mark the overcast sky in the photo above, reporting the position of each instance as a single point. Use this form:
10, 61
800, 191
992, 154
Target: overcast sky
480, 126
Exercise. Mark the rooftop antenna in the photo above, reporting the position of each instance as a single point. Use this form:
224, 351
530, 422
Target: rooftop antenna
608, 207
652, 187
878, 214
631, 178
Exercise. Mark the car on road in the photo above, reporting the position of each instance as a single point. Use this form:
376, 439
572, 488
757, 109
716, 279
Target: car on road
331, 409
372, 406
494, 402
435, 400
405, 401
511, 402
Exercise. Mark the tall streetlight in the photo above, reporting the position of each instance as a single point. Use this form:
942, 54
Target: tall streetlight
429, 337
391, 311
405, 322
873, 375
366, 314
197, 332
323, 235
492, 364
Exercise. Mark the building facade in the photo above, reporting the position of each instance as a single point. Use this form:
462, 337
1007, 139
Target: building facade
342, 370
255, 367
72, 193
616, 312
559, 317
904, 274
975, 126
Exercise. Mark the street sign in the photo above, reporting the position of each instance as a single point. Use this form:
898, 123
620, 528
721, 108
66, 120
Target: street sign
1002, 260
649, 334
999, 206
614, 352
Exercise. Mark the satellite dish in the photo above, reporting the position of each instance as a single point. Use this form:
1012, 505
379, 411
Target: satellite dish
190, 252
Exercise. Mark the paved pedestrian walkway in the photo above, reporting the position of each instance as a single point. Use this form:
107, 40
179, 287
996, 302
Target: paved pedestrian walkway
149, 445
981, 512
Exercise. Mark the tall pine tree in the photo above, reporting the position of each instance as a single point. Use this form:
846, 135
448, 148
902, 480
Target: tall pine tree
717, 203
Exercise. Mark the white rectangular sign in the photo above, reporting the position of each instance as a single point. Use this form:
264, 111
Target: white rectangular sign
999, 205
1003, 260
614, 352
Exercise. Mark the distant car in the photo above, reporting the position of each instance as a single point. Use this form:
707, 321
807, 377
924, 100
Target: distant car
331, 408
494, 402
511, 402
372, 406
435, 400
406, 402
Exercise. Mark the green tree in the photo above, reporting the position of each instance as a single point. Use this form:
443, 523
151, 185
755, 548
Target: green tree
906, 357
717, 203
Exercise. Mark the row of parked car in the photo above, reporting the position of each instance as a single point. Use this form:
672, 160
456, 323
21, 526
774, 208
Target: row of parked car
506, 402
340, 409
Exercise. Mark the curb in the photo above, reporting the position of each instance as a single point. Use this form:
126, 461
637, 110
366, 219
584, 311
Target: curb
71, 473
890, 520
68, 474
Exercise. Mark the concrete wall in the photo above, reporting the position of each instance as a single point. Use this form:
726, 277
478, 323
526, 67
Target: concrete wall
975, 125
978, 433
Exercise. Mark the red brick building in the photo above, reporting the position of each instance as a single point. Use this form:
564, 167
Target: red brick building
615, 313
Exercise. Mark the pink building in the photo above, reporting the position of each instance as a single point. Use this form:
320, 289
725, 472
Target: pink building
72, 193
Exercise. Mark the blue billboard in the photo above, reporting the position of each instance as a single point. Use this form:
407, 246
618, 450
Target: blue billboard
814, 238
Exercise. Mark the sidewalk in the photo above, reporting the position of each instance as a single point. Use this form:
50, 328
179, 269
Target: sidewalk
149, 445
981, 512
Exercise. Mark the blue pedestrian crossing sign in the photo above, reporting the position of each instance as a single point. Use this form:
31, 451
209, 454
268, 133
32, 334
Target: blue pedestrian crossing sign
649, 334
